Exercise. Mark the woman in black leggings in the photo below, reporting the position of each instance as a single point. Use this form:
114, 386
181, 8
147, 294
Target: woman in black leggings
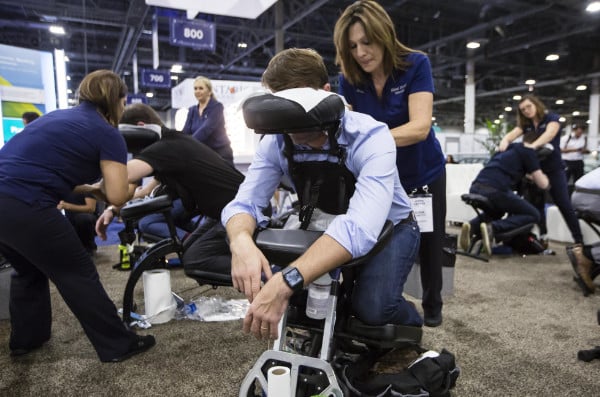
539, 127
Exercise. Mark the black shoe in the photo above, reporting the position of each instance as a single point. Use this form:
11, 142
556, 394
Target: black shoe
433, 320
139, 345
23, 351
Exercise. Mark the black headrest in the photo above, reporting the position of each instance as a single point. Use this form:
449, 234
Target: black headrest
293, 111
137, 138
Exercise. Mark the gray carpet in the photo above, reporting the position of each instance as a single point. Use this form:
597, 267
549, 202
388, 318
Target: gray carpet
515, 325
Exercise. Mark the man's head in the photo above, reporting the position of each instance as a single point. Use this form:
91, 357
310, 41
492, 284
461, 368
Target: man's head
28, 117
295, 68
578, 129
140, 114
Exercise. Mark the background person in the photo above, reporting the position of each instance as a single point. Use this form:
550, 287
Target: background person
206, 120
573, 146
496, 181
586, 258
50, 158
28, 117
539, 127
81, 211
393, 83
204, 181
370, 158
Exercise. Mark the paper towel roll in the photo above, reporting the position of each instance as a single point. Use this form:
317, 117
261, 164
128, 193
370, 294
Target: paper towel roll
158, 300
279, 382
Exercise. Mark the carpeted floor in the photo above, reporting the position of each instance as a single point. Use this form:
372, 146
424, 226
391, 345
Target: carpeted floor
515, 325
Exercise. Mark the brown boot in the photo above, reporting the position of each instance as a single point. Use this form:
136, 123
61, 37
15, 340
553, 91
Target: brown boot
582, 266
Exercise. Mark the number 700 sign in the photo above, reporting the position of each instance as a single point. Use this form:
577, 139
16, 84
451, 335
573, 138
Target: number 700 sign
156, 78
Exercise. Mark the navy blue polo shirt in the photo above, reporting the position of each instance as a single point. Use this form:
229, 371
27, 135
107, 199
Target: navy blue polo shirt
505, 169
554, 161
418, 164
62, 149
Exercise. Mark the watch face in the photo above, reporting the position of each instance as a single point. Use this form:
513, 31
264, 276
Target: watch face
293, 278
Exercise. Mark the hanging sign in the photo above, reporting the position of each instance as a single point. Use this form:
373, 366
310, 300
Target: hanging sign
193, 33
156, 78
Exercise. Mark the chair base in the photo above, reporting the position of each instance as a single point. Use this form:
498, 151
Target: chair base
310, 372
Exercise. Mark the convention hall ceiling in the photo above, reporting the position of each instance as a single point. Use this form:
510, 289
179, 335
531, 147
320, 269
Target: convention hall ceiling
516, 37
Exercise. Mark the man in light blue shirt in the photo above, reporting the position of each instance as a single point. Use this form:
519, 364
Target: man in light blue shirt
377, 196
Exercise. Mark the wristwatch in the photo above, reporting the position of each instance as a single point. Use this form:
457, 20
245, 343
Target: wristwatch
293, 278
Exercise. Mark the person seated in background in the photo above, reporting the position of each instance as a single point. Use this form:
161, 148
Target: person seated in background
369, 170
206, 120
28, 117
450, 159
81, 211
573, 146
189, 170
586, 258
495, 182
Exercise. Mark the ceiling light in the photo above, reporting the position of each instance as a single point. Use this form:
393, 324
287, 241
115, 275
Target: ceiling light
150, 94
68, 78
57, 29
559, 101
581, 87
242, 45
473, 45
576, 113
496, 121
176, 68
173, 77
67, 59
562, 119
517, 97
530, 82
508, 109
432, 118
552, 57
594, 6
500, 116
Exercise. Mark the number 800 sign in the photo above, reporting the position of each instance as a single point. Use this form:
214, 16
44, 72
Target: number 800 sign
192, 33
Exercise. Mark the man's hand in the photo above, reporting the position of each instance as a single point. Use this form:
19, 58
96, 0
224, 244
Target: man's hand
102, 223
267, 309
247, 262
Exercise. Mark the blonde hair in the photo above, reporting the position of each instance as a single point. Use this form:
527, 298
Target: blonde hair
540, 110
104, 89
379, 30
206, 81
295, 67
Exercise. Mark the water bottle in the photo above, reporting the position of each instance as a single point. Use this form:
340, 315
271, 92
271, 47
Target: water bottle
318, 297
189, 309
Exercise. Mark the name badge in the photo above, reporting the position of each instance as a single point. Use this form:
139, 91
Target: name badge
422, 205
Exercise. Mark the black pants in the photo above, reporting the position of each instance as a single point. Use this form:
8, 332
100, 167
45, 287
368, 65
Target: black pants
431, 250
41, 245
560, 195
85, 227
207, 249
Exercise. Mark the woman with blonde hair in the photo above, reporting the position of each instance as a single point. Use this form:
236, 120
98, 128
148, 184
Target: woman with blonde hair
206, 120
64, 152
